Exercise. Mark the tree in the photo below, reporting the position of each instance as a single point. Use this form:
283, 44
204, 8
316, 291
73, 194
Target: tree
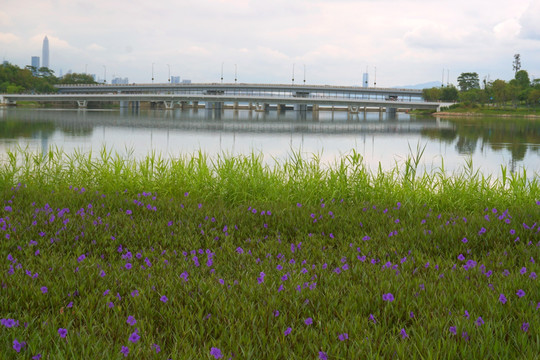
432, 94
468, 81
449, 93
522, 77
76, 78
499, 91
517, 63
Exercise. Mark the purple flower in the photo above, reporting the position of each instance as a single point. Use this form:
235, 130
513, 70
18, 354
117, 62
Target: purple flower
128, 266
322, 355
164, 299
388, 297
343, 337
110, 304
479, 321
453, 330
44, 289
216, 353
18, 345
134, 337
62, 332
461, 257
287, 331
135, 293
523, 270
466, 315
525, 326
520, 293
308, 321
131, 320
36, 357
532, 275
157, 348
372, 318
502, 298
125, 351
404, 334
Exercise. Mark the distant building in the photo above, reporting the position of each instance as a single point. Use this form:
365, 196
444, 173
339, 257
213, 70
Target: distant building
35, 63
186, 81
119, 81
175, 79
45, 52
365, 80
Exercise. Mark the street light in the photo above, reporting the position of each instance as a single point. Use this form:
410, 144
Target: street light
104, 74
169, 66
293, 74
304, 74
222, 73
235, 73
152, 73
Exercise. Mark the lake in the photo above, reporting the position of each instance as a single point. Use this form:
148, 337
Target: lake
513, 142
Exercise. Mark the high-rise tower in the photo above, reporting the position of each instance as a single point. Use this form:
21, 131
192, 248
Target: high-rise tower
45, 57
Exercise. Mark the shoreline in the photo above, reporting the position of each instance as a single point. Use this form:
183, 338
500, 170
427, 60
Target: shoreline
478, 114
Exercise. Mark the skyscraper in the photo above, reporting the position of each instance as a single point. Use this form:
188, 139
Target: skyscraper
45, 57
35, 62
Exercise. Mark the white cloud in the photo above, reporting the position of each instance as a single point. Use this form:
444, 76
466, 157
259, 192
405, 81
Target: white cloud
8, 38
530, 21
507, 30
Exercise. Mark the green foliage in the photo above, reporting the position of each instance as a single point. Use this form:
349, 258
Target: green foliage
16, 80
468, 81
522, 78
432, 94
449, 93
76, 78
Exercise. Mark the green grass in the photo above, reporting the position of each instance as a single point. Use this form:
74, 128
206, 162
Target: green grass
162, 209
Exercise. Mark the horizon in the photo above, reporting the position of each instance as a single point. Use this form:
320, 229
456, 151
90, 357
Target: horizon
399, 44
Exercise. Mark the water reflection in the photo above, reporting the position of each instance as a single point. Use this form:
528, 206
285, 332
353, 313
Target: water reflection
378, 137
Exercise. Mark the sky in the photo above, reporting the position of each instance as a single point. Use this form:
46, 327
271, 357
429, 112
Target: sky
398, 42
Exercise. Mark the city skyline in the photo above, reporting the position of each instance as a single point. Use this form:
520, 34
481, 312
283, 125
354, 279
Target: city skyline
331, 42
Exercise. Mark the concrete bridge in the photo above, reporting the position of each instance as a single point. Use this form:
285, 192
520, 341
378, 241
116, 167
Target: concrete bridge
258, 96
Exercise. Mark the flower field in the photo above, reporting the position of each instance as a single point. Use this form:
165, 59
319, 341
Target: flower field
227, 258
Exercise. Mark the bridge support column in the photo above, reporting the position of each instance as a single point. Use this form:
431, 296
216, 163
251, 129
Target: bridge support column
195, 104
82, 104
391, 111
353, 109
235, 105
135, 105
216, 105
124, 104
169, 105
315, 108
300, 107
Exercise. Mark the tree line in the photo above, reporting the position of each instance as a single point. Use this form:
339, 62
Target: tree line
518, 91
16, 80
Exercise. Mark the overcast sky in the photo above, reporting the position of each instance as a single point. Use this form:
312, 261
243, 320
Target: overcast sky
407, 41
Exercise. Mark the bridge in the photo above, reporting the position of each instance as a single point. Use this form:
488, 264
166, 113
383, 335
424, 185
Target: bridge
258, 96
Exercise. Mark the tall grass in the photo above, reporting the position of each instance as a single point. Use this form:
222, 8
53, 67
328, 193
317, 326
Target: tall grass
246, 178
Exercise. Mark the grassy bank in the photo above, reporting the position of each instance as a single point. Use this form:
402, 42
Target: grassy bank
464, 109
195, 258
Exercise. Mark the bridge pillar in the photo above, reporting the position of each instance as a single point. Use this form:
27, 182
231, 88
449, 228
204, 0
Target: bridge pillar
300, 107
169, 105
235, 105
315, 108
195, 104
216, 105
391, 111
124, 104
353, 109
82, 103
135, 105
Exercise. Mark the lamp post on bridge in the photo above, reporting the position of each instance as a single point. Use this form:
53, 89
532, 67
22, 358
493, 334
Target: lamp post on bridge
235, 73
104, 74
304, 74
222, 72
169, 66
293, 73
152, 73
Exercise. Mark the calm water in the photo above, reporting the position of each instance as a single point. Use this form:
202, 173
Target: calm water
489, 142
